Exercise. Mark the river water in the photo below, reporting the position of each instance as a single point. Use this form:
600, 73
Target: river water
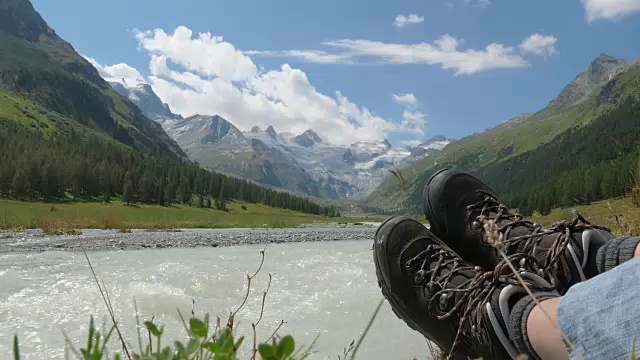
319, 288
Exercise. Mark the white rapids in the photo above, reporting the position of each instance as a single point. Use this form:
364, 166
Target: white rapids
320, 288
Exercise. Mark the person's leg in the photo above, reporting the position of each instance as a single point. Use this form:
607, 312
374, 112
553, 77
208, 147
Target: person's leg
616, 252
600, 316
545, 336
597, 316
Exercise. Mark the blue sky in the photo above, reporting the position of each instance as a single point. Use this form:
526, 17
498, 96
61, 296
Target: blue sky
368, 58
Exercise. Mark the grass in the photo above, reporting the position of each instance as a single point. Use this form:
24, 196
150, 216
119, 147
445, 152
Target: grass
116, 215
25, 111
617, 214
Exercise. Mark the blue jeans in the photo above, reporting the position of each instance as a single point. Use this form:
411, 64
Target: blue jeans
601, 316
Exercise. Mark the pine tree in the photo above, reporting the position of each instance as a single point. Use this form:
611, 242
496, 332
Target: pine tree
170, 193
128, 192
208, 202
220, 201
200, 201
106, 197
20, 184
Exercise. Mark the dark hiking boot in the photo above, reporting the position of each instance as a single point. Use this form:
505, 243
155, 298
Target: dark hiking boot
465, 310
459, 208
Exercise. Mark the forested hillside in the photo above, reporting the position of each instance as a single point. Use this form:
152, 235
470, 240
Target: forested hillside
85, 165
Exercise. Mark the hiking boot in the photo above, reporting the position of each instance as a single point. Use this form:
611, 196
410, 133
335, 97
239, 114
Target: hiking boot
460, 207
465, 310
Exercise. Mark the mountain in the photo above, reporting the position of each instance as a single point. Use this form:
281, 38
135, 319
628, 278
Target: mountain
147, 100
308, 139
599, 71
430, 147
272, 132
515, 157
217, 144
46, 85
303, 163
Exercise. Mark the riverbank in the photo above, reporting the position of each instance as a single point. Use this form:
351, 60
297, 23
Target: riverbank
117, 215
36, 240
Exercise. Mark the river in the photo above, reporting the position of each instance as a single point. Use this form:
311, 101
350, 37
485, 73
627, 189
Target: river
319, 288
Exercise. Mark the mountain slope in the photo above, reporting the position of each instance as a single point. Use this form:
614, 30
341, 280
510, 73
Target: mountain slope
39, 68
143, 96
603, 87
303, 163
217, 144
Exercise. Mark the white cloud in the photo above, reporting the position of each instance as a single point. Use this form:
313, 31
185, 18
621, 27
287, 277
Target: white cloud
444, 51
411, 19
539, 44
609, 9
405, 99
117, 73
314, 56
203, 54
202, 74
414, 122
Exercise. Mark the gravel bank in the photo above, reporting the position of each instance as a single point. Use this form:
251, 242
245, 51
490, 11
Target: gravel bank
91, 239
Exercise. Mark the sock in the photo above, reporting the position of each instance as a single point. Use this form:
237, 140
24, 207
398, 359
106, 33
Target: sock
518, 323
616, 252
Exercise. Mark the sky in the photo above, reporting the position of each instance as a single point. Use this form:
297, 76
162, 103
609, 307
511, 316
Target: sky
352, 70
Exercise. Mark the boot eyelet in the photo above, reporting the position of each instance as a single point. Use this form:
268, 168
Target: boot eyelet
443, 302
419, 277
523, 262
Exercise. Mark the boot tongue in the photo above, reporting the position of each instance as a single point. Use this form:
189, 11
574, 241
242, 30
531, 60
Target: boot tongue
477, 197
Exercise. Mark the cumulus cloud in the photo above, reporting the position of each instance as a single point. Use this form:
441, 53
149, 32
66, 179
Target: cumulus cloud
203, 74
198, 73
117, 73
405, 99
314, 56
445, 51
609, 9
411, 19
539, 44
414, 122
203, 54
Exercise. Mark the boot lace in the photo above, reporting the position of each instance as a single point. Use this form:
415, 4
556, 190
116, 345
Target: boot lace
490, 209
436, 266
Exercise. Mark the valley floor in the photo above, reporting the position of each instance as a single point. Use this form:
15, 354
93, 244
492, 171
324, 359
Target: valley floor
54, 217
620, 215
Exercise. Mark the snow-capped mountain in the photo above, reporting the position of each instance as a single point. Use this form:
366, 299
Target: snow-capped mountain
430, 147
304, 163
143, 96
